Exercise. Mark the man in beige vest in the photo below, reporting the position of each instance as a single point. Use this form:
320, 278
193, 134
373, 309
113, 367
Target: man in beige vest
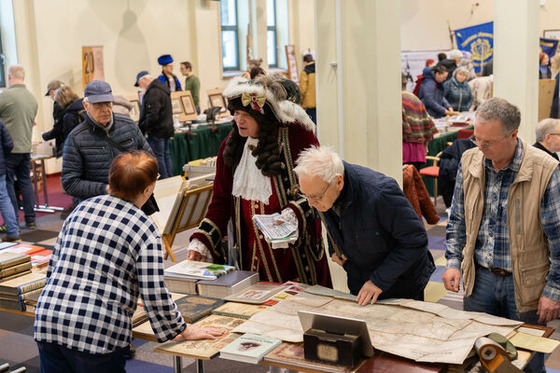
504, 224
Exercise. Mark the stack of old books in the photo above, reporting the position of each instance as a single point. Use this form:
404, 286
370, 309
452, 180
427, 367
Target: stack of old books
21, 293
13, 264
39, 255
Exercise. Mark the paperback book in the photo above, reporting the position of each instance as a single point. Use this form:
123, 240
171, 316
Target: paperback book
257, 293
227, 284
241, 310
195, 307
198, 270
249, 348
205, 348
8, 259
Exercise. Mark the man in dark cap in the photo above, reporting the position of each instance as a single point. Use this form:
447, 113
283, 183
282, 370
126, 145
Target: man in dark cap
167, 77
156, 119
92, 145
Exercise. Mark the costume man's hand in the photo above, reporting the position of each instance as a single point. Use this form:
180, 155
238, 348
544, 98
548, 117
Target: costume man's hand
367, 292
451, 278
548, 310
195, 255
338, 260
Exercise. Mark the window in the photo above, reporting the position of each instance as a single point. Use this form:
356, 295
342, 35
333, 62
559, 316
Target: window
230, 48
271, 35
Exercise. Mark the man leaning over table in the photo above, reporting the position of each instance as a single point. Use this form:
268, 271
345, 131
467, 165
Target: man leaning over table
504, 224
373, 230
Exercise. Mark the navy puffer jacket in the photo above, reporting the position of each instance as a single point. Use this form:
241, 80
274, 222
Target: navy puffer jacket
87, 156
378, 231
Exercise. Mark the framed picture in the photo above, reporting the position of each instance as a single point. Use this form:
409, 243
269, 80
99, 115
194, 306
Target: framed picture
183, 105
216, 99
292, 63
188, 104
176, 105
551, 34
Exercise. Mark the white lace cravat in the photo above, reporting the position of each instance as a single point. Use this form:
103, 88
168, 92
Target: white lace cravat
248, 181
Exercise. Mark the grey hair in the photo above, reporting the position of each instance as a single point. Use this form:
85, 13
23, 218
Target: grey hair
17, 72
320, 161
461, 69
546, 126
499, 109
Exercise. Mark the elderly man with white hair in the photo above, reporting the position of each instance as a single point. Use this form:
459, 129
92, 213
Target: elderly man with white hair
548, 136
373, 230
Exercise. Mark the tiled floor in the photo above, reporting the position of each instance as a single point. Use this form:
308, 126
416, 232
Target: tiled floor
16, 332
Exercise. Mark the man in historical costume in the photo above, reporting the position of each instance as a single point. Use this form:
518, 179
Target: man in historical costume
167, 77
373, 230
254, 175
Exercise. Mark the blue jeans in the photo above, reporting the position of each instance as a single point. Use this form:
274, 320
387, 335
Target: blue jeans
495, 295
160, 147
19, 166
7, 209
55, 359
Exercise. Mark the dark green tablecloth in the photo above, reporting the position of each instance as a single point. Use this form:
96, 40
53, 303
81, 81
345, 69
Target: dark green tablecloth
202, 142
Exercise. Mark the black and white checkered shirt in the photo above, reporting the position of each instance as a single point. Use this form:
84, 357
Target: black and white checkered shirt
106, 255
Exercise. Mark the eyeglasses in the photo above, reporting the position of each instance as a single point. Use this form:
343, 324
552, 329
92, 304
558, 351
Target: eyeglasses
158, 176
313, 198
554, 134
487, 144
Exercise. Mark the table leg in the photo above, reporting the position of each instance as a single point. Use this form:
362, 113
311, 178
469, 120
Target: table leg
199, 366
177, 364
45, 207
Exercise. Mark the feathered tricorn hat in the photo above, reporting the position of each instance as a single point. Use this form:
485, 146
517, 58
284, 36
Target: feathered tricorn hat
265, 97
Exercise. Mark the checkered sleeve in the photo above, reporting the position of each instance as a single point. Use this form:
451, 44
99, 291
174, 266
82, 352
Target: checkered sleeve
456, 231
165, 318
550, 217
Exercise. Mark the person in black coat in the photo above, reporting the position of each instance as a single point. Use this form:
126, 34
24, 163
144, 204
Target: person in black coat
156, 119
374, 233
64, 97
6, 208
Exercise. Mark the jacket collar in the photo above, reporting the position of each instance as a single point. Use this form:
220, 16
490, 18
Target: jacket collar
344, 200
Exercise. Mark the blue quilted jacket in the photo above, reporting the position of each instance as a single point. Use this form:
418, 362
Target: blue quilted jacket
87, 156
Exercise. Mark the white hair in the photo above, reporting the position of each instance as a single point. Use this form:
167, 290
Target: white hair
16, 72
546, 126
319, 161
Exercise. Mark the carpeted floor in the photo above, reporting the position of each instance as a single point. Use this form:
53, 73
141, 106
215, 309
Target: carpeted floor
16, 331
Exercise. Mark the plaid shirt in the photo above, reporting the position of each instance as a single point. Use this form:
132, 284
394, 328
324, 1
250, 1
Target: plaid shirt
492, 241
106, 255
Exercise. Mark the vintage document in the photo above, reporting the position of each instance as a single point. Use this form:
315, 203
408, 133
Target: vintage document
421, 331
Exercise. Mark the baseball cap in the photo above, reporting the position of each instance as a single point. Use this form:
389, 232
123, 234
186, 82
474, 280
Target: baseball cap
139, 76
53, 85
98, 91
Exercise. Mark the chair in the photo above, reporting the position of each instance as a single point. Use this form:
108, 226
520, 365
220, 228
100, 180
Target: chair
432, 172
189, 215
464, 133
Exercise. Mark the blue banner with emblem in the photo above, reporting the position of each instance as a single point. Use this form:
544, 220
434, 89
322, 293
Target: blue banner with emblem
478, 41
548, 46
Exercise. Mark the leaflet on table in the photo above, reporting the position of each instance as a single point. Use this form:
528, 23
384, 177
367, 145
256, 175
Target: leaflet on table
272, 232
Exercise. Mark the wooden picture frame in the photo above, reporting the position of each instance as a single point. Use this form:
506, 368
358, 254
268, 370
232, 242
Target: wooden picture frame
551, 34
135, 111
292, 63
188, 104
183, 105
217, 99
136, 107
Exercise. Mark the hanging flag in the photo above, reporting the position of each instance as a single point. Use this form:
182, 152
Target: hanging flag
548, 46
478, 41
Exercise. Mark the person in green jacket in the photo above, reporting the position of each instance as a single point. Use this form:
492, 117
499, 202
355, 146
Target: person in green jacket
192, 83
